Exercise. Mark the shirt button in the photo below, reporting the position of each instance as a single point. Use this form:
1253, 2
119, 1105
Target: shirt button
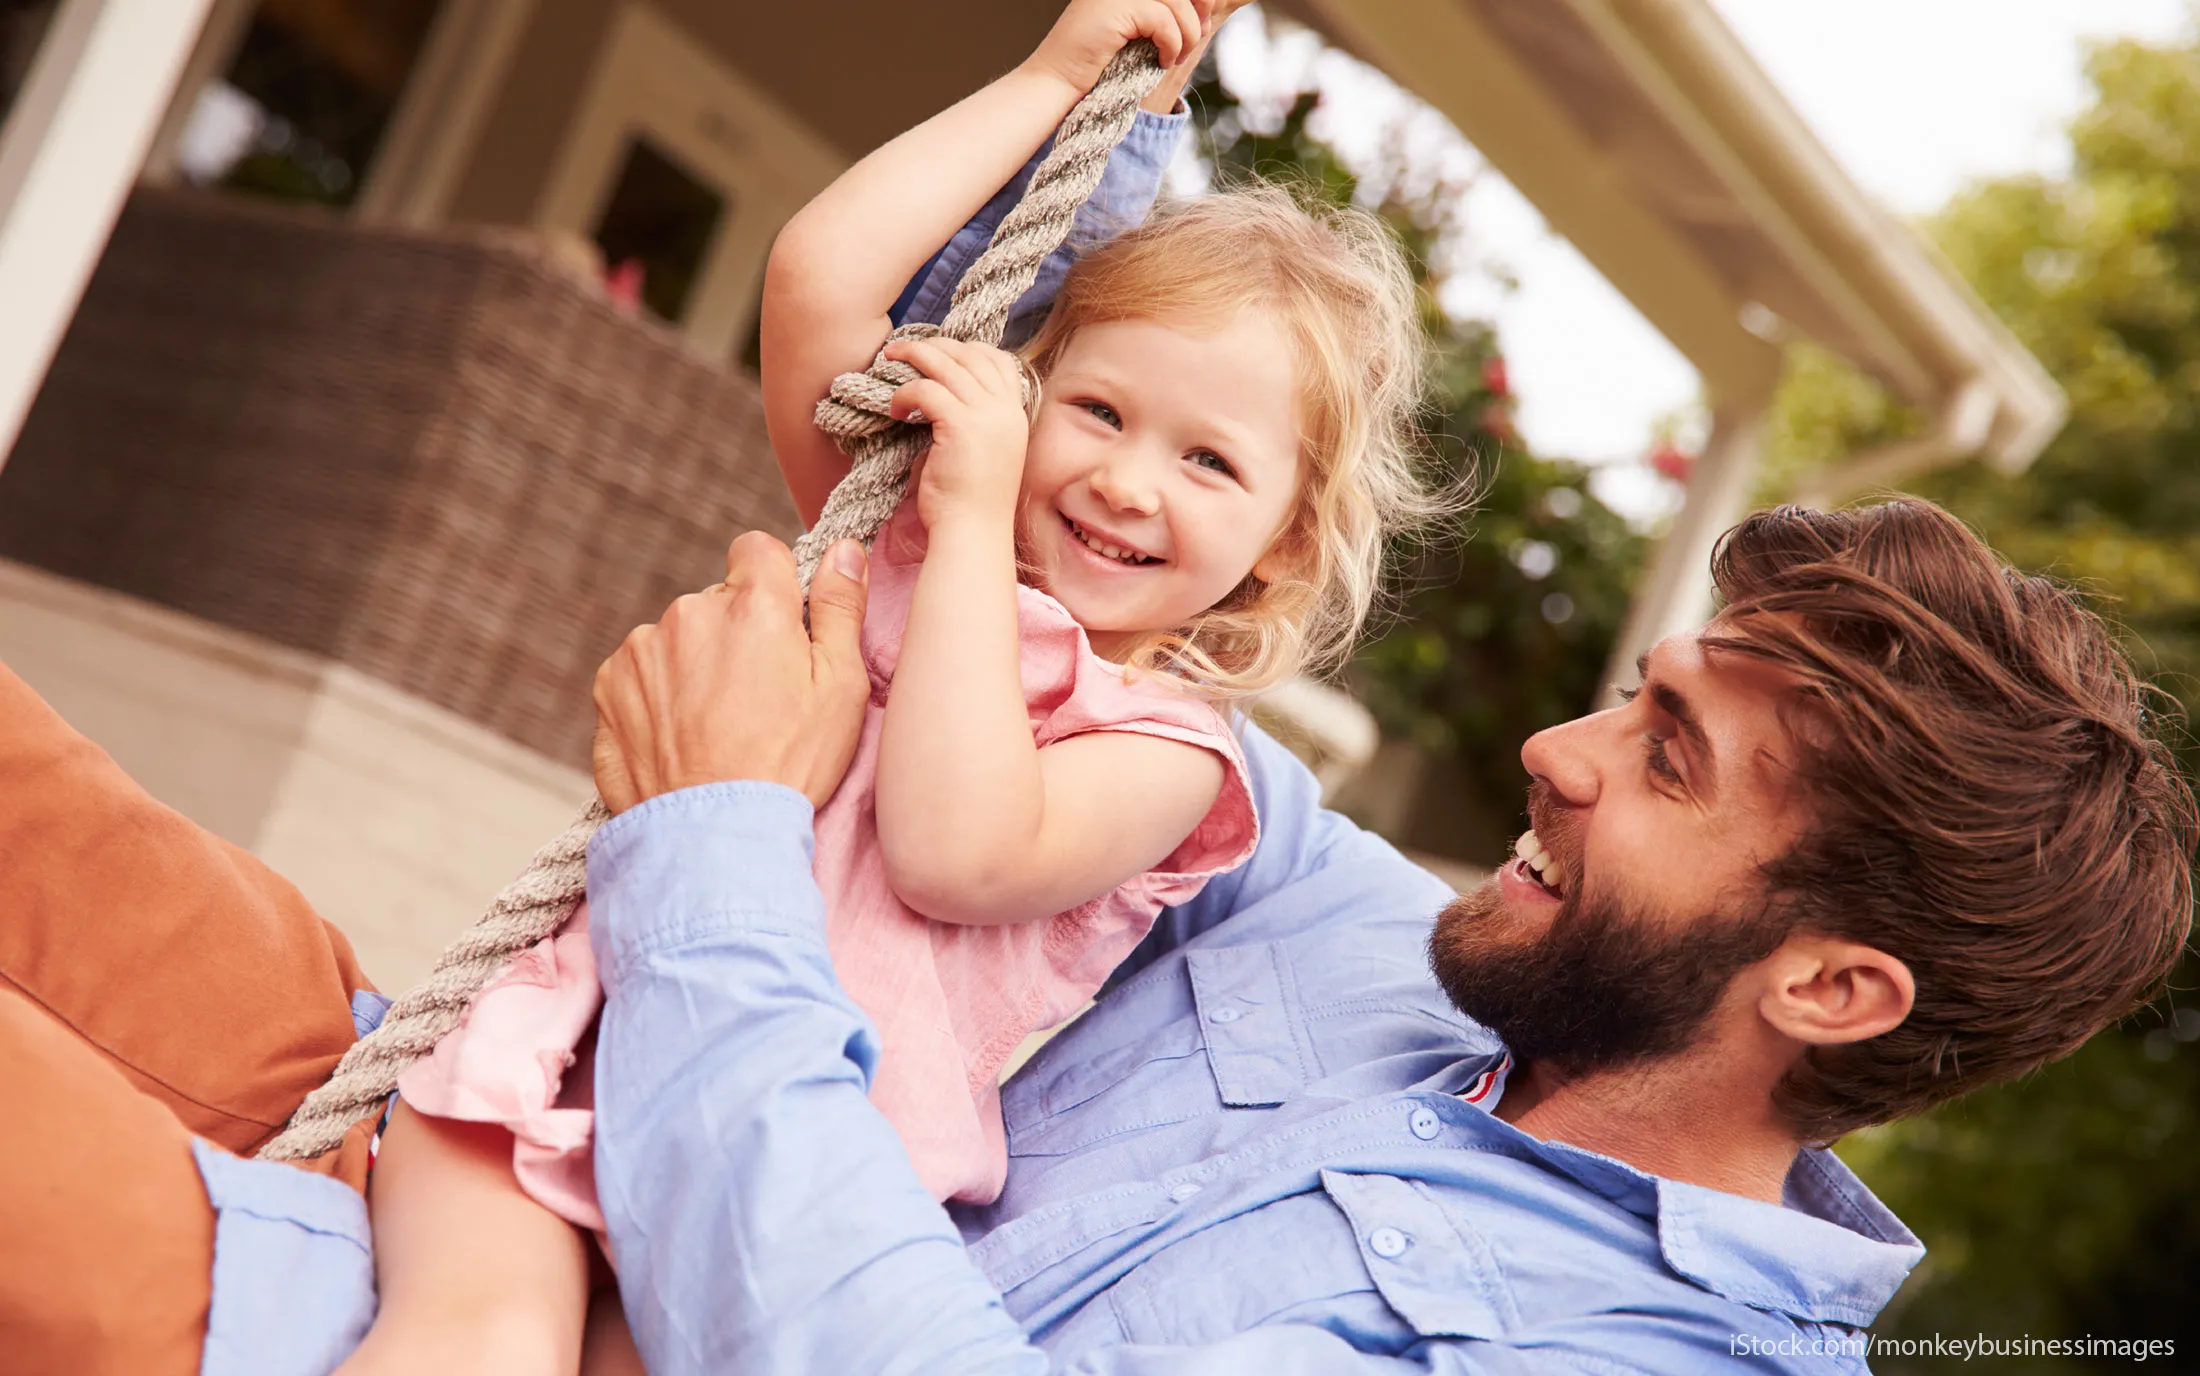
1386, 1242
1224, 1015
1425, 1124
1182, 1192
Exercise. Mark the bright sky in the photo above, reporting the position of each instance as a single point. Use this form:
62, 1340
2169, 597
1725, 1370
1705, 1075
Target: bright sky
1916, 98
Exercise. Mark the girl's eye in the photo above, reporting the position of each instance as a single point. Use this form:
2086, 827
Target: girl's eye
1213, 462
1104, 413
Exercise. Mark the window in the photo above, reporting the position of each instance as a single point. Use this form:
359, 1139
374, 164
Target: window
307, 98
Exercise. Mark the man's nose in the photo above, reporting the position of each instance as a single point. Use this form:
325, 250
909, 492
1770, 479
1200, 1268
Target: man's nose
1126, 481
1570, 758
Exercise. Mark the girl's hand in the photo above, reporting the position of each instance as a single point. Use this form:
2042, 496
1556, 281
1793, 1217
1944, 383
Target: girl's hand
973, 395
1091, 32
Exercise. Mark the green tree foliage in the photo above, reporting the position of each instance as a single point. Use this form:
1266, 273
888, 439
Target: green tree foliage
1500, 623
2070, 1204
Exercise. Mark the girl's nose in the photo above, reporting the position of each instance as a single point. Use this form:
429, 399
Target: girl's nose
1126, 483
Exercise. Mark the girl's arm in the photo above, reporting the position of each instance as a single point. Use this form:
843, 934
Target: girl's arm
839, 264
474, 1276
977, 824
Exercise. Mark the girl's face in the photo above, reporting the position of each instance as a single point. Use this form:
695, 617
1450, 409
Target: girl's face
1161, 469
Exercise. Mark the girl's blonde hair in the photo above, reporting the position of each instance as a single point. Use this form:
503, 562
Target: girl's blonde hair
1338, 282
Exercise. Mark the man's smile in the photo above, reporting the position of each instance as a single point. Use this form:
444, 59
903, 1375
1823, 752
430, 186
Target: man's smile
1542, 866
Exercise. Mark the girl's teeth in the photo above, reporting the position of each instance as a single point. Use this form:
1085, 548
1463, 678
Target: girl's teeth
1121, 556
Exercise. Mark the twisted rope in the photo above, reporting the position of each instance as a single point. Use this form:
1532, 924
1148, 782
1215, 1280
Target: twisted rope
882, 450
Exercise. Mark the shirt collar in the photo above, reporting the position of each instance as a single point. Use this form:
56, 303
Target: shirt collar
1831, 1252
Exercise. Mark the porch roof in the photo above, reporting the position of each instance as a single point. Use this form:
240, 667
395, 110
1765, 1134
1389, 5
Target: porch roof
1647, 135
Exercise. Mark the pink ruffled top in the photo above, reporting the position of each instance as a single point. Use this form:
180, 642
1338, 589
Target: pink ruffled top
951, 1002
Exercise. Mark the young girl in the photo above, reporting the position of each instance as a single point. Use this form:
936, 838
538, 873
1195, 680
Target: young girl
1059, 619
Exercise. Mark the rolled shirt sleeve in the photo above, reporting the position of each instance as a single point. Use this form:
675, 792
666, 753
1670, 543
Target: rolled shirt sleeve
764, 1215
1126, 194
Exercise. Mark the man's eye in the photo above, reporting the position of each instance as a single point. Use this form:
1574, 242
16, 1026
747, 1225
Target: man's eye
1103, 413
1661, 764
1213, 462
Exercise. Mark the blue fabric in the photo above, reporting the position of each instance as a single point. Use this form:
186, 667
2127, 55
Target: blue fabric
1125, 194
367, 1008
293, 1269
1254, 1155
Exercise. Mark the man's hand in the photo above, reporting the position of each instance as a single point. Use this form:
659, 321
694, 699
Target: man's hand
728, 684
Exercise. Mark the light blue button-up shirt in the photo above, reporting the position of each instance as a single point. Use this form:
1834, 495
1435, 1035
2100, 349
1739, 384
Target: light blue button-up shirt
1267, 1149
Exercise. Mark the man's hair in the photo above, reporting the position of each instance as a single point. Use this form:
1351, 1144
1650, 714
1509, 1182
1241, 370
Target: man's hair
1990, 802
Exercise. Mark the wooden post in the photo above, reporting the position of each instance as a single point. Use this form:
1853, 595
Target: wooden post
69, 153
1675, 592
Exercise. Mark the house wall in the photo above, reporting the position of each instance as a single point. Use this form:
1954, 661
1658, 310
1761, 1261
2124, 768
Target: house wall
855, 95
397, 820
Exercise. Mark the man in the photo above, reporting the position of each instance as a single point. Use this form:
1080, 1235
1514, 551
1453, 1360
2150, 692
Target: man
1891, 827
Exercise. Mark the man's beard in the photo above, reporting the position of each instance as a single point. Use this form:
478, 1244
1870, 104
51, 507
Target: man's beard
1603, 987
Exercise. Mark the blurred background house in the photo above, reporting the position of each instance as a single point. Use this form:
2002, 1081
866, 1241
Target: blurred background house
367, 367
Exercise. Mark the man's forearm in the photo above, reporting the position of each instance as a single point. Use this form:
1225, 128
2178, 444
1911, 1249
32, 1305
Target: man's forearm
764, 1215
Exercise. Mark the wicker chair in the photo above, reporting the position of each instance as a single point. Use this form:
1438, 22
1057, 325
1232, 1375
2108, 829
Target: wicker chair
442, 459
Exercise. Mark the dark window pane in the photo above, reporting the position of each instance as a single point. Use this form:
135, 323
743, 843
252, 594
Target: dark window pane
327, 74
660, 219
22, 26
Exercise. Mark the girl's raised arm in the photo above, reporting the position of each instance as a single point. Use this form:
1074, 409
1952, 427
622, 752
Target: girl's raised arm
838, 266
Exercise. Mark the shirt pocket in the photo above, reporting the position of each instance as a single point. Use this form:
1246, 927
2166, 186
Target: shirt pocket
1249, 1018
1063, 1103
1224, 1032
1291, 1261
1436, 1272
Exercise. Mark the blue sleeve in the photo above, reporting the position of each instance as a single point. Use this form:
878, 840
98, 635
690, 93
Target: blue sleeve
763, 1214
1319, 862
1126, 193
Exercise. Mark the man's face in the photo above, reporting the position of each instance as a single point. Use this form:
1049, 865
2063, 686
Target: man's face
1638, 897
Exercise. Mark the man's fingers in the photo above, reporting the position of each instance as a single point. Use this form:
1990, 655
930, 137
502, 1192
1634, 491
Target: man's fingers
760, 577
755, 556
838, 680
837, 595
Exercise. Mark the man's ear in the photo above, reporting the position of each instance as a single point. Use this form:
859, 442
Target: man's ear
1824, 991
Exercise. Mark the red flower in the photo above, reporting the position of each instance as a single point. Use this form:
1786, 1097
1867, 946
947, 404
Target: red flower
1494, 377
623, 283
1672, 461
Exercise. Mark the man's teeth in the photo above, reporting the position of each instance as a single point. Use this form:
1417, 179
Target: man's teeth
1115, 552
1530, 850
